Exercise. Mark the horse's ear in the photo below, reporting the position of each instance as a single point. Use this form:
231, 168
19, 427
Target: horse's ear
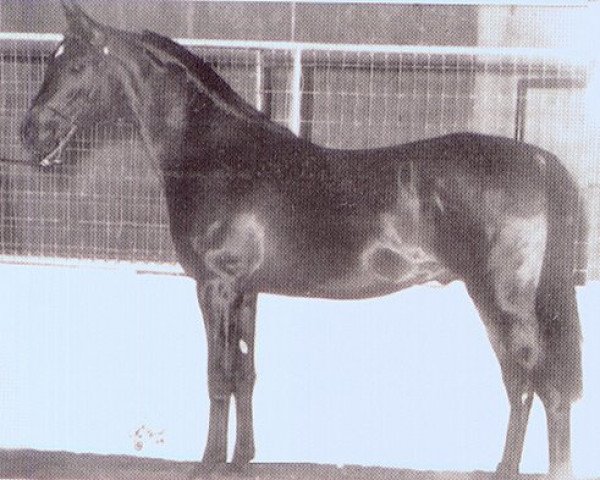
68, 5
71, 16
82, 26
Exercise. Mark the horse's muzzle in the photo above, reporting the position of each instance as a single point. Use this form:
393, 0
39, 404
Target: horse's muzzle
43, 138
33, 132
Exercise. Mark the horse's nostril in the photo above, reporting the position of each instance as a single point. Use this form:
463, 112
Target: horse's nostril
28, 131
36, 132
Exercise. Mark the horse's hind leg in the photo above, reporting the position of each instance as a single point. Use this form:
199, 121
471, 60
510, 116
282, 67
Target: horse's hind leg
519, 388
558, 379
558, 416
520, 396
506, 297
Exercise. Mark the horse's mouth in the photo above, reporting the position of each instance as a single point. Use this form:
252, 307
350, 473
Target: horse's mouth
54, 157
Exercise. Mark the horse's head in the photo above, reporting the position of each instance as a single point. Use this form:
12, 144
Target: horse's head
79, 87
99, 73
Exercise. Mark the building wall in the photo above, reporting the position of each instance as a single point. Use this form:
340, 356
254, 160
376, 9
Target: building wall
394, 24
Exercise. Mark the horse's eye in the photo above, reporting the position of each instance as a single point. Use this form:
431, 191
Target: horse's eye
77, 68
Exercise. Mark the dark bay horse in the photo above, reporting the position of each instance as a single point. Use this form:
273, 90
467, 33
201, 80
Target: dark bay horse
255, 209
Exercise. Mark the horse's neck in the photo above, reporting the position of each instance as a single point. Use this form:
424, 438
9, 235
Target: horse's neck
185, 134
217, 141
161, 113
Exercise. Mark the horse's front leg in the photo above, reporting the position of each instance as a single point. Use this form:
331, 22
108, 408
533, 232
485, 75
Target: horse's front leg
229, 315
229, 318
216, 299
245, 315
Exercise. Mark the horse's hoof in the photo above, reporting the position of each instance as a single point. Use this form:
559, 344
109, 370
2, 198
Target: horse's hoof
242, 457
214, 456
241, 469
206, 469
506, 472
562, 471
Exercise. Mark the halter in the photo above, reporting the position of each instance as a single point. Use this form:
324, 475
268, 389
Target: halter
53, 157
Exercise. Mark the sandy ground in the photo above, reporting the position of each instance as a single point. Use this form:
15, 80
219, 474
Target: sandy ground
33, 464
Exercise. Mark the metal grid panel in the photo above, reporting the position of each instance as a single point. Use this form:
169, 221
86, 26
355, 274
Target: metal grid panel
369, 99
106, 202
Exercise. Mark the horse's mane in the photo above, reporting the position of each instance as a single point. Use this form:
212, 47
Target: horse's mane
205, 77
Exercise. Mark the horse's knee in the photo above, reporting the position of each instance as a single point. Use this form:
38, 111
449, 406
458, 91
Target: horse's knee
236, 376
245, 374
517, 345
244, 365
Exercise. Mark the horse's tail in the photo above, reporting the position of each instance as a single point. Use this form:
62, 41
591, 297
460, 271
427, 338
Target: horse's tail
556, 305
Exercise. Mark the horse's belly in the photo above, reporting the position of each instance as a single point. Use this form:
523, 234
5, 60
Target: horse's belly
375, 256
365, 265
383, 272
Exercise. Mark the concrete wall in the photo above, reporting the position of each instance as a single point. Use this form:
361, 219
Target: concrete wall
345, 23
397, 24
528, 26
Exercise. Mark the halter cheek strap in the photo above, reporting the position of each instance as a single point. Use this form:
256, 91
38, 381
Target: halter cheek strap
60, 50
58, 113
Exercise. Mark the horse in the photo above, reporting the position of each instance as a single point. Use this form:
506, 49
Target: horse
255, 209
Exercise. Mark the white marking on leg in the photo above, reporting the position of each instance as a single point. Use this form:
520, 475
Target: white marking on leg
243, 346
563, 471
